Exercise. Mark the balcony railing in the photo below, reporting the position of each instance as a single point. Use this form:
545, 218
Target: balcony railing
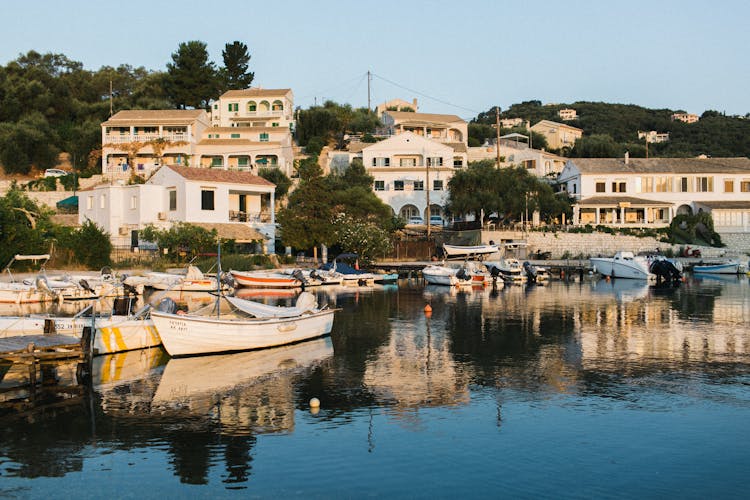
237, 115
238, 216
125, 138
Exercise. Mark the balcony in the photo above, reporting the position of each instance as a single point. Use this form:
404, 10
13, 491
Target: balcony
252, 217
256, 114
126, 138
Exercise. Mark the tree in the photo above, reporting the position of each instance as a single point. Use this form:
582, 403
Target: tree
191, 78
26, 143
25, 226
182, 240
596, 146
279, 178
235, 74
88, 245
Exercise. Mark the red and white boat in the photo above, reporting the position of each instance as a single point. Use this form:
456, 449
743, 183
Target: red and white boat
265, 279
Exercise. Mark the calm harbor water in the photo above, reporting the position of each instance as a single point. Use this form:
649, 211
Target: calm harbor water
606, 390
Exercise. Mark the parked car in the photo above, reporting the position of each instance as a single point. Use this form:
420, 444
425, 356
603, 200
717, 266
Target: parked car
415, 221
55, 172
436, 220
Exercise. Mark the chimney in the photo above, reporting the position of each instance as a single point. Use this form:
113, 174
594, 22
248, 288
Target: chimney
415, 103
627, 157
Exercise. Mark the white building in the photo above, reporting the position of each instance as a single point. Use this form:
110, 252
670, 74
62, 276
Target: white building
567, 114
239, 205
650, 192
653, 136
443, 128
685, 117
408, 169
254, 107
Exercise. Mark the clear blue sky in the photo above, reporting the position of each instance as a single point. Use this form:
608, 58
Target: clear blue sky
458, 57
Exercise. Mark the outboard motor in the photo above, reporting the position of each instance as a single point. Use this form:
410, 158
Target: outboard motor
461, 274
167, 305
226, 279
42, 284
530, 272
106, 273
123, 306
306, 301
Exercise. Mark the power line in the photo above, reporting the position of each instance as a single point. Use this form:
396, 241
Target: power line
425, 95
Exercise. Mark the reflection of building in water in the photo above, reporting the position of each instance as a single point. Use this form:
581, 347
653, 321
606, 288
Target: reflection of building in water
416, 368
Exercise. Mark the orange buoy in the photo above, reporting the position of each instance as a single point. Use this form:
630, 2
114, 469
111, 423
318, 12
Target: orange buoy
428, 308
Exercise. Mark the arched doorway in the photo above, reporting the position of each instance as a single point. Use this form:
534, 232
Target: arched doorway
684, 210
408, 211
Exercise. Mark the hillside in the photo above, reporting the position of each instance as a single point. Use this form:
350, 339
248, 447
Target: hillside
617, 125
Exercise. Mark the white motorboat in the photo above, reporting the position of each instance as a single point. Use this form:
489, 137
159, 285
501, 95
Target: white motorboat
510, 270
469, 251
251, 325
27, 291
447, 276
192, 281
623, 265
116, 332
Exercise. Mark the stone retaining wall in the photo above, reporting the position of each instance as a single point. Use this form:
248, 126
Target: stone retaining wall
580, 245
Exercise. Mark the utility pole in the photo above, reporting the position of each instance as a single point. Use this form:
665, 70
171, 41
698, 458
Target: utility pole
427, 187
110, 97
646, 145
497, 130
369, 79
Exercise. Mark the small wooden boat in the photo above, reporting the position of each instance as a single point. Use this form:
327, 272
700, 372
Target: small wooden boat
251, 326
266, 279
731, 267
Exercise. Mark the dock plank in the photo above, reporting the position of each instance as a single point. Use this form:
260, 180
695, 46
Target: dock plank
21, 342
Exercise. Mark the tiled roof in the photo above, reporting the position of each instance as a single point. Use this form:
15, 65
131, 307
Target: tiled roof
407, 116
616, 200
219, 175
255, 93
726, 205
241, 233
162, 116
550, 123
661, 165
240, 130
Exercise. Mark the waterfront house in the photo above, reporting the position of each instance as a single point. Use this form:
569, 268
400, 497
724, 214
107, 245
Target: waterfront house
437, 127
139, 141
239, 205
559, 135
649, 192
408, 168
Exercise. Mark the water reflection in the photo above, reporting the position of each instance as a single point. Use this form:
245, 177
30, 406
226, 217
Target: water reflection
386, 363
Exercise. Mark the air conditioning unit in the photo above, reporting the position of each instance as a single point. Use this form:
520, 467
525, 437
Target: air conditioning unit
123, 230
162, 215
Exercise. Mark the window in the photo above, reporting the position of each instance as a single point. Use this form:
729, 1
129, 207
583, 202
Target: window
601, 187
275, 124
242, 161
647, 185
216, 106
683, 184
618, 187
235, 136
264, 137
381, 162
379, 185
233, 106
251, 106
133, 202
418, 185
90, 203
398, 185
728, 186
663, 184
437, 185
458, 162
745, 186
172, 200
207, 199
704, 184
216, 161
102, 201
435, 162
407, 162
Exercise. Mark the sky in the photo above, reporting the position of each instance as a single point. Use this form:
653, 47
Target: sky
454, 57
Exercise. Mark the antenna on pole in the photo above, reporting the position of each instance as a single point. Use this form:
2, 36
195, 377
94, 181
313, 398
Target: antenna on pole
369, 79
110, 97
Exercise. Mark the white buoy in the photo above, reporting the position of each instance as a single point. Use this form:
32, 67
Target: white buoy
314, 403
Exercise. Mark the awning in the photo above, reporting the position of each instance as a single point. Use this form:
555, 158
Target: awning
241, 233
69, 202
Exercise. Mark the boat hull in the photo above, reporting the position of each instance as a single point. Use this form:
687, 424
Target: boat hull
184, 335
621, 269
729, 268
265, 280
452, 251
